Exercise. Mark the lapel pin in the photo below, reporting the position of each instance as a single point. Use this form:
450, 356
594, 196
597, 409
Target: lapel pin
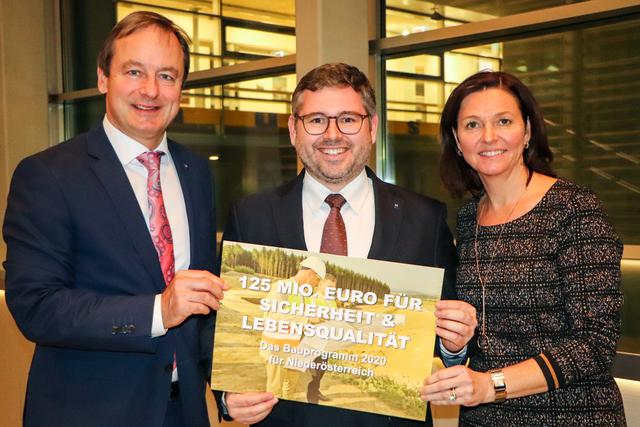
395, 206
186, 166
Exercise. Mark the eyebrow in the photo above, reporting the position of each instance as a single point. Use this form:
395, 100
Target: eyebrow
341, 112
132, 63
172, 69
501, 113
141, 65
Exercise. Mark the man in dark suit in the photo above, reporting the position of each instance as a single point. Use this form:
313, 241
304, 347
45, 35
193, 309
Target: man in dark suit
333, 128
110, 247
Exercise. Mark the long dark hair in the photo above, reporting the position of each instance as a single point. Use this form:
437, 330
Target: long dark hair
457, 176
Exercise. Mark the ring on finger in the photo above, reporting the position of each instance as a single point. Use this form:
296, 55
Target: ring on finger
452, 394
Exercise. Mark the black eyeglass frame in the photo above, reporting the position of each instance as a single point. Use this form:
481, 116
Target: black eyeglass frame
362, 117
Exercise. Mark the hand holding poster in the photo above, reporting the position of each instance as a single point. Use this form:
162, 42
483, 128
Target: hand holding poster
328, 329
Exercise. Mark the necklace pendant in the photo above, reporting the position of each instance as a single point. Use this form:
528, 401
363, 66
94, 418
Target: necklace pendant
483, 343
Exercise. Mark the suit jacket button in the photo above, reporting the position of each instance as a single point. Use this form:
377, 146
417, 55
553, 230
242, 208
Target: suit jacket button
169, 368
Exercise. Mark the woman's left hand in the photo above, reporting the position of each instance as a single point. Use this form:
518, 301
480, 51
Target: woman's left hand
458, 385
455, 323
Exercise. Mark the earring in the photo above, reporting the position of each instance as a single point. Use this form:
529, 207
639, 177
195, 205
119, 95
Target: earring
526, 145
458, 152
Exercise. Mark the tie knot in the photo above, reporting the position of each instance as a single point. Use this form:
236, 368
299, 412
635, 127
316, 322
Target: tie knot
151, 160
335, 200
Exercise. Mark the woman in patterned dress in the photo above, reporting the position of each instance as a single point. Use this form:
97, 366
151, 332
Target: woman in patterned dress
538, 259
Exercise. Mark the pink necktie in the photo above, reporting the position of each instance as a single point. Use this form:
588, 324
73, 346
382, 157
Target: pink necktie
334, 234
159, 227
158, 221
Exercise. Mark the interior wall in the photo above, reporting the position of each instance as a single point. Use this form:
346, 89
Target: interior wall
23, 90
327, 31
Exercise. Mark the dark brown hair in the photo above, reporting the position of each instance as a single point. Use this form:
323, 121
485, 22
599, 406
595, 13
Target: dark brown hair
457, 176
137, 21
336, 75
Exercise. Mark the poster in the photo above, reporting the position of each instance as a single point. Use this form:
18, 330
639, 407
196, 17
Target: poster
326, 329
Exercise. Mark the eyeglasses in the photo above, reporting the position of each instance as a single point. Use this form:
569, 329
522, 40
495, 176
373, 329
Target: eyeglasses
318, 123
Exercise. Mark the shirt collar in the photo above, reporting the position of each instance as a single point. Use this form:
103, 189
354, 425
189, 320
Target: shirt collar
127, 148
355, 192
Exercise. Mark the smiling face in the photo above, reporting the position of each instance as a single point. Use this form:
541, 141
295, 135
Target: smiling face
491, 133
144, 86
333, 158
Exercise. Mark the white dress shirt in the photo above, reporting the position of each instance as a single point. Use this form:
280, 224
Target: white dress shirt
127, 149
358, 213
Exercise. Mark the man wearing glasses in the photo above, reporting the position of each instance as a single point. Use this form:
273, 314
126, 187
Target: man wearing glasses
338, 205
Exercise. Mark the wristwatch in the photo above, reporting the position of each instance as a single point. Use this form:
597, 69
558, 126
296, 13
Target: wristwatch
499, 387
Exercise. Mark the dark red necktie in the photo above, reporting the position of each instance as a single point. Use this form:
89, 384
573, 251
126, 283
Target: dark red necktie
334, 234
158, 221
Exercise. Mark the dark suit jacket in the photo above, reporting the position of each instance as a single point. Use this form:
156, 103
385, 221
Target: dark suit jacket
409, 228
82, 273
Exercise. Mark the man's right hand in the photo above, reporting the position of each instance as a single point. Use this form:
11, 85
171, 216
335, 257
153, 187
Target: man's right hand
249, 408
191, 292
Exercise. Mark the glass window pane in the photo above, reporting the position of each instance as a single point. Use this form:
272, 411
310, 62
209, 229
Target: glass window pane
458, 66
209, 6
84, 26
276, 12
258, 42
403, 17
403, 23
414, 100
493, 50
80, 116
419, 64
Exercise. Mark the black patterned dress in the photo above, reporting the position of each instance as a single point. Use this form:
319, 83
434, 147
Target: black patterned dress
553, 294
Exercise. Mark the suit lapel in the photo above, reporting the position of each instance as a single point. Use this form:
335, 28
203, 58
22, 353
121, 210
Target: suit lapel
186, 183
113, 178
287, 212
388, 219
